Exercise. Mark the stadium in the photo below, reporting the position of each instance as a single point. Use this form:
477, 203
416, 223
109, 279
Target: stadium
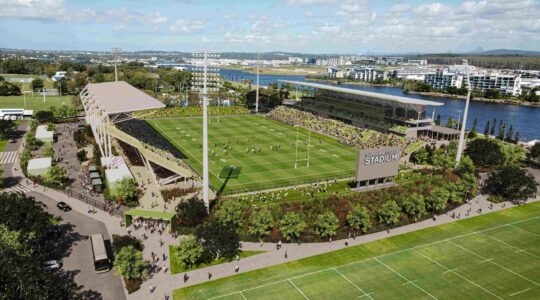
313, 140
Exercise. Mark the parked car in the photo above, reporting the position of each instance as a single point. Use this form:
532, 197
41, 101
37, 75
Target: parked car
63, 206
12, 141
51, 265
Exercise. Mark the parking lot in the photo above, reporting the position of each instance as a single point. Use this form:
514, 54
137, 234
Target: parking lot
79, 259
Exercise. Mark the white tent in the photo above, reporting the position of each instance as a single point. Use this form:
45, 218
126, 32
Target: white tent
43, 134
39, 166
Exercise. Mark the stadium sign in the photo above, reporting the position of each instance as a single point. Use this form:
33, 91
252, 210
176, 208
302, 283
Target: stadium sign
377, 163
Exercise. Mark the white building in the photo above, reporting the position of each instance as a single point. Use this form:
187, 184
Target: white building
366, 74
506, 84
413, 73
417, 62
335, 72
59, 75
442, 79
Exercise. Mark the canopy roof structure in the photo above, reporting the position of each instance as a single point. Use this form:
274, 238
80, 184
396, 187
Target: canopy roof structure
121, 97
404, 100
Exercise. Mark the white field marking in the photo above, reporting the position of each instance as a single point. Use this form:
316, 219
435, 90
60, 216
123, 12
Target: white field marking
243, 296
367, 295
520, 251
409, 282
517, 293
405, 278
525, 230
298, 289
450, 270
372, 258
487, 260
512, 246
346, 278
454, 272
502, 267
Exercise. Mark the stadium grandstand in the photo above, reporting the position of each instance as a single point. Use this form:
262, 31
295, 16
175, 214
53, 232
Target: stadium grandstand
376, 111
108, 106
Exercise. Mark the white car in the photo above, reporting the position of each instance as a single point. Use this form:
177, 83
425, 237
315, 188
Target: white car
51, 265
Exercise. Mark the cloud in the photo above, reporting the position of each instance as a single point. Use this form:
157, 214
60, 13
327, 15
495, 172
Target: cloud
329, 28
311, 2
38, 9
185, 26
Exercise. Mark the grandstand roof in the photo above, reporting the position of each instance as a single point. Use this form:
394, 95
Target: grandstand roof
405, 100
121, 97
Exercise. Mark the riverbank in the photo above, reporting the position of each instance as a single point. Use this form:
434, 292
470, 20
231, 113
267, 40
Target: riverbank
479, 99
359, 83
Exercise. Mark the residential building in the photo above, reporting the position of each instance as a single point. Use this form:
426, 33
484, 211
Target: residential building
366, 74
59, 75
442, 79
413, 73
506, 84
417, 62
335, 72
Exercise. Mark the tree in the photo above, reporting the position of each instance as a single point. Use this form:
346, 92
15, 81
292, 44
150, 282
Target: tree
260, 222
420, 156
442, 160
130, 264
492, 131
121, 241
452, 123
326, 224
358, 219
44, 116
56, 176
292, 225
517, 138
485, 152
510, 133
438, 119
512, 183
79, 137
81, 155
191, 212
472, 133
500, 136
389, 213
534, 153
37, 84
436, 200
7, 128
230, 211
9, 89
62, 86
486, 129
125, 190
415, 206
219, 239
189, 251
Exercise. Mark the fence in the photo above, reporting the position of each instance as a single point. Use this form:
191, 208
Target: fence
119, 212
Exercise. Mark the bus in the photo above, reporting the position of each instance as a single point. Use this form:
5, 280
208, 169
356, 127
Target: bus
101, 259
15, 113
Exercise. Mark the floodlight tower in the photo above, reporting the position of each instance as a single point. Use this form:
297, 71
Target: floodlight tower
463, 125
201, 82
257, 88
116, 52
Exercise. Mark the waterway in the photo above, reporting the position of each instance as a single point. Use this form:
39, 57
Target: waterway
524, 119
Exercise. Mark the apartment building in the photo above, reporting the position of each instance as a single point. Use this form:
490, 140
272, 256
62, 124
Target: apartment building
506, 84
442, 79
366, 74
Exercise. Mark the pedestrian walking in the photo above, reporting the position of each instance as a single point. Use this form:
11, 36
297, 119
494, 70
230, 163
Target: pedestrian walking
286, 254
186, 277
209, 275
151, 289
346, 243
236, 268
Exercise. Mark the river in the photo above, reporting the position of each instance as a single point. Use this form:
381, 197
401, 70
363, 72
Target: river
524, 119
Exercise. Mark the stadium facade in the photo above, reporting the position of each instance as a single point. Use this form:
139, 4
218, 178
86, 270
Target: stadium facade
376, 111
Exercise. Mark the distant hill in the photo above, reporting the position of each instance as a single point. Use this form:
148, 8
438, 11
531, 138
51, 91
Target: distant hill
508, 52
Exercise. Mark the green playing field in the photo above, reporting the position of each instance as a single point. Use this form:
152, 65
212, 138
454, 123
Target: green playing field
35, 103
255, 153
494, 256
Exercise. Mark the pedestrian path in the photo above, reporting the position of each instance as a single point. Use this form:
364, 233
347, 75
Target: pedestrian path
15, 189
8, 157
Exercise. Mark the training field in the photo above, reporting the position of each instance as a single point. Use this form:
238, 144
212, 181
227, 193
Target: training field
35, 103
494, 256
258, 166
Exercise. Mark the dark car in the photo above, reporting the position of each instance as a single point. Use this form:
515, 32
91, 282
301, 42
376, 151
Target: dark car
12, 141
63, 206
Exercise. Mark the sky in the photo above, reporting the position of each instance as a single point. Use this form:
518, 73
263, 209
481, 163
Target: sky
306, 26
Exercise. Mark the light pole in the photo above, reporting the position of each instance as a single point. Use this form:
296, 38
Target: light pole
308, 145
462, 132
204, 95
44, 98
257, 88
116, 52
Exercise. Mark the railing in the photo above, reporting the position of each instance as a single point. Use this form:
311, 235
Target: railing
111, 209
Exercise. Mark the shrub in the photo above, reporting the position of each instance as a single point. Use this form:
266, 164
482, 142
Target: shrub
359, 219
189, 252
121, 241
81, 155
326, 224
292, 226
485, 152
389, 213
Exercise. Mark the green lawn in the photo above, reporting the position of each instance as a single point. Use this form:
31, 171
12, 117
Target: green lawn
494, 256
262, 169
35, 103
177, 268
3, 144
